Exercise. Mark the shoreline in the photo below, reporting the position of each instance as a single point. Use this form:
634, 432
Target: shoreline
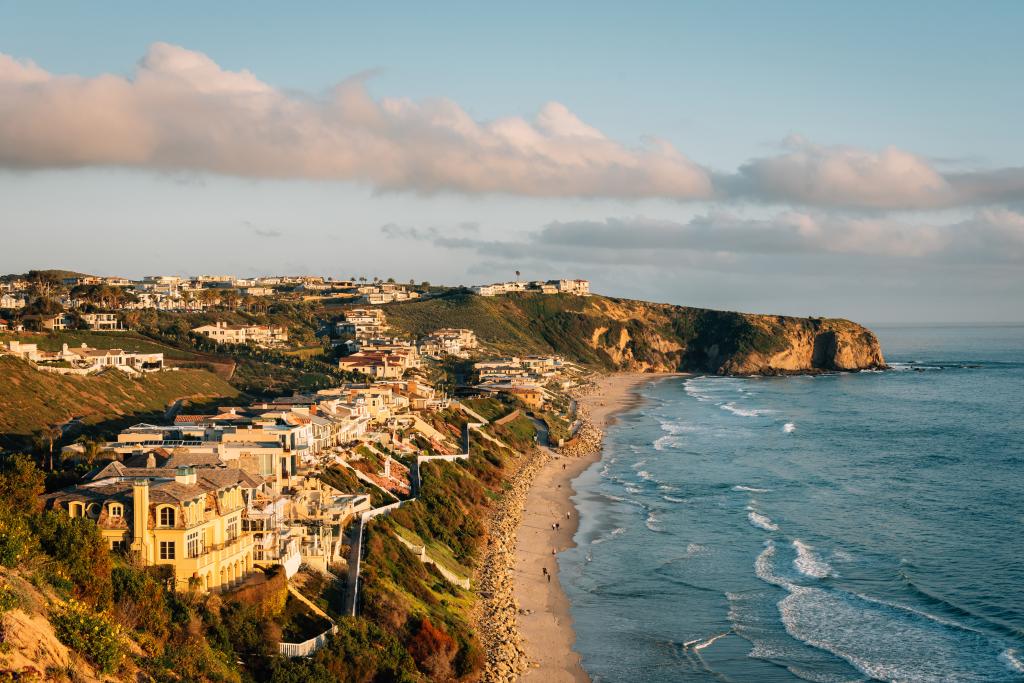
544, 620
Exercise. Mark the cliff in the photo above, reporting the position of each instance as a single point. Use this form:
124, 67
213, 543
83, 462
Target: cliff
622, 334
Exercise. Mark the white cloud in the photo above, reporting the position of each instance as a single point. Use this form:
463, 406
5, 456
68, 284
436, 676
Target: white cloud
180, 110
850, 177
990, 236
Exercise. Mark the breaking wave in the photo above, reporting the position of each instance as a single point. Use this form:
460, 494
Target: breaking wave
762, 521
745, 412
789, 427
809, 564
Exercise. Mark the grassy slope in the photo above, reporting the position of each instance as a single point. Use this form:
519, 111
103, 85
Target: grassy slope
609, 332
130, 342
31, 399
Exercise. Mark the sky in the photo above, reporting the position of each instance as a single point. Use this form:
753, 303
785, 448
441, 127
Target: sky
861, 160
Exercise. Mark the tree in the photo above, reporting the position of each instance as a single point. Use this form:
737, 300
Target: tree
21, 484
44, 439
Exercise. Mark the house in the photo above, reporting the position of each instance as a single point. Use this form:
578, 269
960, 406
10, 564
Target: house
60, 321
186, 519
225, 333
449, 341
108, 322
532, 397
574, 287
12, 301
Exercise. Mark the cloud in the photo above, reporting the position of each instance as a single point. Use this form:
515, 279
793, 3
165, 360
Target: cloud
991, 236
182, 111
261, 232
179, 111
850, 177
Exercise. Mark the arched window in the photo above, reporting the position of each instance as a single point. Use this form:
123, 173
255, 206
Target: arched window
116, 510
166, 516
76, 509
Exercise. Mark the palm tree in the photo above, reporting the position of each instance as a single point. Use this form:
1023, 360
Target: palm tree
43, 439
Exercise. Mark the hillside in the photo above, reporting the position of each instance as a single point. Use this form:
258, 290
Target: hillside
31, 400
621, 334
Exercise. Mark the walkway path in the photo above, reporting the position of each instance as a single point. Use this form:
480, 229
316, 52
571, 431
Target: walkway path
356, 552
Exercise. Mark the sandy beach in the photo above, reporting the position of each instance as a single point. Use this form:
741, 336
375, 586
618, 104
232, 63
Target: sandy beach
544, 621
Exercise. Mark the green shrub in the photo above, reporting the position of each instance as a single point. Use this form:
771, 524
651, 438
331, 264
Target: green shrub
92, 634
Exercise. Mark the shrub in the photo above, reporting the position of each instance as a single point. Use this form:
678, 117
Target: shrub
89, 633
82, 555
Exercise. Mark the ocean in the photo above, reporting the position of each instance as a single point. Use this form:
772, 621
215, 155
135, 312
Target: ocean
841, 527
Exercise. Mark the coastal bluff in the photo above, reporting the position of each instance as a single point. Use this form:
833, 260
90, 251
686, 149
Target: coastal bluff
639, 336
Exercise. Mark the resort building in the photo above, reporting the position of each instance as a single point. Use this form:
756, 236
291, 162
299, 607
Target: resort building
186, 519
261, 335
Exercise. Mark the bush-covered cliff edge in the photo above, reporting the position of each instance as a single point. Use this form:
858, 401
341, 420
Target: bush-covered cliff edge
622, 334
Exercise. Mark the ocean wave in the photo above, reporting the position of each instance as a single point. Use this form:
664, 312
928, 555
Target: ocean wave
646, 476
744, 412
652, 522
809, 564
676, 428
764, 567
632, 488
615, 532
762, 521
749, 489
789, 427
638, 464
667, 441
863, 633
701, 643
1011, 658
673, 499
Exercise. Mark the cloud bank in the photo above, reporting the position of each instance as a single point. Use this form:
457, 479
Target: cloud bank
181, 111
990, 236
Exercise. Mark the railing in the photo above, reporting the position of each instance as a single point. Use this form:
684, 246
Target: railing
305, 649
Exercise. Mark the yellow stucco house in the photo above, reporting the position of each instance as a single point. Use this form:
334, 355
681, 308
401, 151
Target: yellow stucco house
185, 518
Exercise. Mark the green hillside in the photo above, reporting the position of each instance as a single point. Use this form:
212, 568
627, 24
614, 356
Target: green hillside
31, 400
622, 334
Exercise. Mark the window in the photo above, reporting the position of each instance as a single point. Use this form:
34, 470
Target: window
166, 516
119, 546
232, 529
116, 510
75, 509
166, 550
194, 547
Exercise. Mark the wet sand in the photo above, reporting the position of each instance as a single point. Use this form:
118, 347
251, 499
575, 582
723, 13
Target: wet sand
546, 627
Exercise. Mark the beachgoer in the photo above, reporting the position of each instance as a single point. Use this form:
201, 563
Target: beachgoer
549, 578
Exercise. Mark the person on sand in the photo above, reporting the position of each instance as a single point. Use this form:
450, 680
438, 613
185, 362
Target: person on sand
549, 578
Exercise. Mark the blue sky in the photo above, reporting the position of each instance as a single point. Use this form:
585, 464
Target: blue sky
930, 231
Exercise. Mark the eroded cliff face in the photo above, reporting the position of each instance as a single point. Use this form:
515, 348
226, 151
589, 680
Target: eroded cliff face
642, 336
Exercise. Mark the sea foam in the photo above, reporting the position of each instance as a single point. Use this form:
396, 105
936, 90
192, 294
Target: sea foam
762, 521
789, 427
808, 563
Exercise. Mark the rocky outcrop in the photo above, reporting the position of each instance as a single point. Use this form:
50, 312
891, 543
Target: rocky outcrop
640, 336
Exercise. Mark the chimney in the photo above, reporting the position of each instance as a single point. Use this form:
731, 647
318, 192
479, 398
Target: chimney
140, 520
185, 474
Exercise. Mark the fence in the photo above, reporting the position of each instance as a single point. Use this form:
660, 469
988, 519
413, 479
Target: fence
308, 647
